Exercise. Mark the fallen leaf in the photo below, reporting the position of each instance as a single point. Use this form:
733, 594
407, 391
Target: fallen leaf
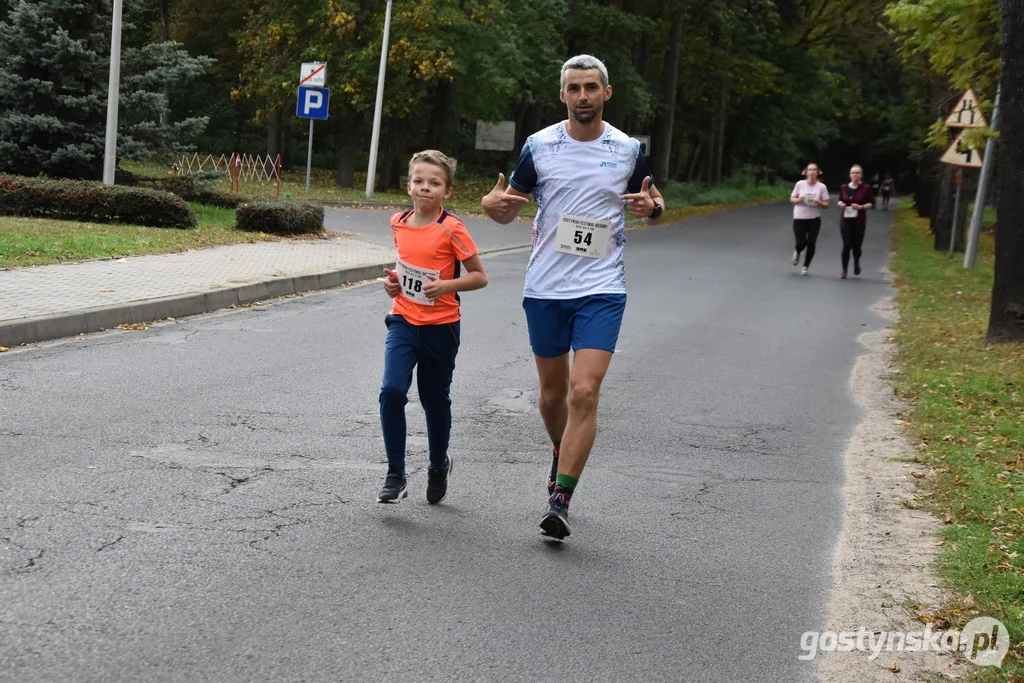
895, 668
4, 349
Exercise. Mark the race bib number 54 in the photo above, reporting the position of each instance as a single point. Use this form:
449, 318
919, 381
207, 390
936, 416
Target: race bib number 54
582, 236
413, 280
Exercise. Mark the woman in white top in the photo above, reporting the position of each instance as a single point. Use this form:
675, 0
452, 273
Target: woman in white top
809, 197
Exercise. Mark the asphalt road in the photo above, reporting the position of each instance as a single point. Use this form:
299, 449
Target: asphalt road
197, 501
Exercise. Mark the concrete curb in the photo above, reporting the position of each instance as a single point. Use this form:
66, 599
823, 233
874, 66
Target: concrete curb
58, 325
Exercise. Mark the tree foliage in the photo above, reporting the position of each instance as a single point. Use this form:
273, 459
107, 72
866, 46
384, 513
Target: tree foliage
54, 87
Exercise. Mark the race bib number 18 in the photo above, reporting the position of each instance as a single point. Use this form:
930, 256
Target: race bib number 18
413, 280
582, 236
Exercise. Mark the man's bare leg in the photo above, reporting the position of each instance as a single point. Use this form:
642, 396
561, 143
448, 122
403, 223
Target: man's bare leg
588, 370
553, 374
589, 367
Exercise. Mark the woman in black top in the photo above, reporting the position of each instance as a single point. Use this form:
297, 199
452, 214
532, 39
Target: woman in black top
854, 199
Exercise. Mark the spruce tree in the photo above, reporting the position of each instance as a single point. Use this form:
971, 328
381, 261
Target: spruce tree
54, 90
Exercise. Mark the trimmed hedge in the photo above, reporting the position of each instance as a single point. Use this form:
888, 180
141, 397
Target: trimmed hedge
194, 190
82, 200
280, 218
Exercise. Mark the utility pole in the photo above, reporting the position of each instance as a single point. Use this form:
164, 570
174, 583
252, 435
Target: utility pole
113, 97
375, 138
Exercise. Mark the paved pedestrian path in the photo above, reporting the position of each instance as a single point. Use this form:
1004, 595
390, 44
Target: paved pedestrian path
48, 302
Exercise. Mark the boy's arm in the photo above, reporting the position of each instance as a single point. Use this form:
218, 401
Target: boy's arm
475, 278
502, 204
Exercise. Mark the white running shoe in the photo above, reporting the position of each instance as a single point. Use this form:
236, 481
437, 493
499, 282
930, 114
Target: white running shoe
796, 257
805, 270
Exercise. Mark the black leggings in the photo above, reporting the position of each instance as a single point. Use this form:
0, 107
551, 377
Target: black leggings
806, 231
853, 238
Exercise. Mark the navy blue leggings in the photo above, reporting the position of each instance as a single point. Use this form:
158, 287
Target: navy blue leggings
431, 349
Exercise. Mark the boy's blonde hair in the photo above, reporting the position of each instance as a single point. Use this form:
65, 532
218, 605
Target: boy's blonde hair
436, 158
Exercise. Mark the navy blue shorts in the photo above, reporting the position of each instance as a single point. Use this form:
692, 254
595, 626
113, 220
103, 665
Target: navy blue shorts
590, 322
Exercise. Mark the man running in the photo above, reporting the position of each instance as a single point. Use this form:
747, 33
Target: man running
583, 173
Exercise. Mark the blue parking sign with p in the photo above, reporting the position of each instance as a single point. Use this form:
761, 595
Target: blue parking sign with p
313, 102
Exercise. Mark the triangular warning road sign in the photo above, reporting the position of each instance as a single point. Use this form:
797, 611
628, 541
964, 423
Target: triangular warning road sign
966, 113
959, 154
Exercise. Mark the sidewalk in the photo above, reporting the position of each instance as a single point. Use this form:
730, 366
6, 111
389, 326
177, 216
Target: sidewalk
49, 302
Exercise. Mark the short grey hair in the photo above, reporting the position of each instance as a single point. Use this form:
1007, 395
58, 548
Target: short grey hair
583, 63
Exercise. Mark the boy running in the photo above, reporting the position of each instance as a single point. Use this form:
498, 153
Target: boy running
423, 326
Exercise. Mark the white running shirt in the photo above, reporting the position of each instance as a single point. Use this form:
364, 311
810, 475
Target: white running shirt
582, 179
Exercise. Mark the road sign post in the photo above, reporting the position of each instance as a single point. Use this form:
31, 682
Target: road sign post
966, 114
956, 212
971, 250
312, 104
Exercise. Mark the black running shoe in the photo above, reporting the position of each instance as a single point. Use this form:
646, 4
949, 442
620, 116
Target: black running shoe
394, 487
554, 470
856, 269
437, 482
555, 522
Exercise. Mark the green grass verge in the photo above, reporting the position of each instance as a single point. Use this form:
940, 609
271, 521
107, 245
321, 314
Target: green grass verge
31, 241
39, 241
966, 411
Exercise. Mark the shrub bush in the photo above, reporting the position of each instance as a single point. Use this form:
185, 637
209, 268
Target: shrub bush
80, 200
280, 218
193, 189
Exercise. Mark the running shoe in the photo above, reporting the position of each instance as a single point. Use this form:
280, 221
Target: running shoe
394, 487
856, 269
843, 276
805, 270
437, 482
796, 257
555, 522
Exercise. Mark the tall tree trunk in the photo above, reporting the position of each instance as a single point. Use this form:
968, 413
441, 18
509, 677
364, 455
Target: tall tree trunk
439, 114
719, 148
346, 145
662, 142
927, 179
274, 135
942, 220
1006, 320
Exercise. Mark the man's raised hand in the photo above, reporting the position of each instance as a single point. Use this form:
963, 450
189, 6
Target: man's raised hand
501, 206
640, 203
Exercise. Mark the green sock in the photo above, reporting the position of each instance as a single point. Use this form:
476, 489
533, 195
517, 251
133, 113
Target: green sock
566, 482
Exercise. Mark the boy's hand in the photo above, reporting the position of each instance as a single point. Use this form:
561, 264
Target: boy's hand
436, 288
391, 285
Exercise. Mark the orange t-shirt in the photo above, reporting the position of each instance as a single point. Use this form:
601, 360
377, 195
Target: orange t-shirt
438, 247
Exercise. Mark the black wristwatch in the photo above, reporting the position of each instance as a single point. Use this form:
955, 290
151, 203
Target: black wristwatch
656, 212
